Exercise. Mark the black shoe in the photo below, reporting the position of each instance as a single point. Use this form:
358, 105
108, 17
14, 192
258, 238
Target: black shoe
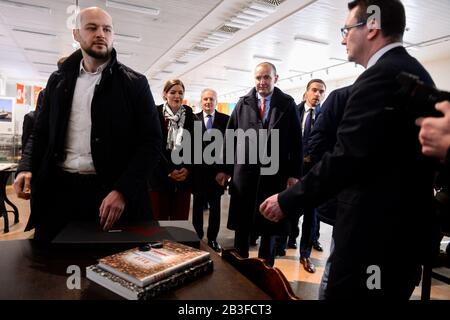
308, 265
280, 253
292, 245
214, 245
317, 246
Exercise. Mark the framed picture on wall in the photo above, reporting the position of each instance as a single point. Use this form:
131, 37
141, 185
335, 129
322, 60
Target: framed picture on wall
6, 109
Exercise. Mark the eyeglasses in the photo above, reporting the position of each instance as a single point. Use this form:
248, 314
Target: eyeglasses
345, 30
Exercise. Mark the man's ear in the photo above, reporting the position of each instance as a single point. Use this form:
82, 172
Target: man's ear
76, 34
276, 79
374, 28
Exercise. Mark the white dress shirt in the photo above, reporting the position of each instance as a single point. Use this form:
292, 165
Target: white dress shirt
78, 139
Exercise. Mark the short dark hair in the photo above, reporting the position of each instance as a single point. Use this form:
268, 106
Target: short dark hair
392, 12
314, 81
269, 64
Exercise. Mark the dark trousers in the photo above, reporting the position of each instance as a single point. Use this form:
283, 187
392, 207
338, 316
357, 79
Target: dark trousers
74, 197
242, 242
310, 221
213, 198
267, 249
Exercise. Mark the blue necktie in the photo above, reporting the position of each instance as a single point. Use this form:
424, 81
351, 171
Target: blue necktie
209, 122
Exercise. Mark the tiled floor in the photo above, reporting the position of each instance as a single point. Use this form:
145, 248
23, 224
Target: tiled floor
305, 284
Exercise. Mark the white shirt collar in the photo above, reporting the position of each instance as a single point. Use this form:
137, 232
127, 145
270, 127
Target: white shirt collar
307, 106
377, 55
205, 115
99, 69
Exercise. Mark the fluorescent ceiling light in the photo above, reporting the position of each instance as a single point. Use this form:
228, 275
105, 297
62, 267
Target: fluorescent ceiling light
237, 69
22, 5
125, 54
249, 17
132, 7
256, 56
127, 37
222, 35
338, 59
217, 79
255, 12
41, 51
180, 62
44, 63
262, 7
242, 21
310, 40
297, 71
236, 25
36, 33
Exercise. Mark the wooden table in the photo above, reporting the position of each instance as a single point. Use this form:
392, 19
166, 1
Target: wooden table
27, 272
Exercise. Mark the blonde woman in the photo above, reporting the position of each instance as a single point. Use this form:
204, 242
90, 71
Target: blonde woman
170, 184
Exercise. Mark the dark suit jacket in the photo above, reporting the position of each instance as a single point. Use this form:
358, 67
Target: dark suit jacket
383, 181
248, 187
125, 135
27, 128
204, 175
323, 138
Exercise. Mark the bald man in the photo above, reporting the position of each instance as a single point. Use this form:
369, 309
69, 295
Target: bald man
96, 139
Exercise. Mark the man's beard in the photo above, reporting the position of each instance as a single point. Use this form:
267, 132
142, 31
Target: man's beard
98, 55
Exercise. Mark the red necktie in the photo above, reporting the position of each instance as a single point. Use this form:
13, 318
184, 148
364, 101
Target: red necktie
262, 109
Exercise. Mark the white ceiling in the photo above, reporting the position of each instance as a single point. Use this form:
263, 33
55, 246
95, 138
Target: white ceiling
182, 24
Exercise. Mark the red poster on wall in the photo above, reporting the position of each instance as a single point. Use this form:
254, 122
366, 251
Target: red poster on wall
36, 90
20, 96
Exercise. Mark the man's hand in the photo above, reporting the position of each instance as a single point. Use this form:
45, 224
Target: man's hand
22, 185
179, 175
222, 178
434, 134
291, 181
271, 210
111, 209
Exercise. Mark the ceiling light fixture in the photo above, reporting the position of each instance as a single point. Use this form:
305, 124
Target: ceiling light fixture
262, 7
310, 40
36, 33
297, 71
127, 37
242, 21
44, 63
256, 56
255, 12
217, 79
237, 69
22, 5
132, 7
125, 54
41, 51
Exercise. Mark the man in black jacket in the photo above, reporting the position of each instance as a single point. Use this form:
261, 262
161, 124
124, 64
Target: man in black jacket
383, 183
96, 138
205, 187
264, 109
